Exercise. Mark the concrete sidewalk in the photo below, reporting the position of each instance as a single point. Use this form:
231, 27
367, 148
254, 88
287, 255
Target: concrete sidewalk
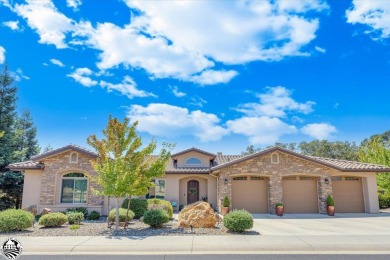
237, 244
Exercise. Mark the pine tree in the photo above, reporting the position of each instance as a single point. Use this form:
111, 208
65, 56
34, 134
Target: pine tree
25, 138
7, 117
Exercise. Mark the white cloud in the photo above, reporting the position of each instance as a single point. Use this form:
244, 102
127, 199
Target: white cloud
197, 101
319, 49
18, 75
13, 25
2, 54
172, 121
319, 131
374, 14
261, 130
275, 103
176, 92
212, 77
128, 87
81, 75
43, 17
57, 62
73, 4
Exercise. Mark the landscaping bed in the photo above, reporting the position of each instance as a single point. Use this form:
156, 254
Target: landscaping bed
135, 228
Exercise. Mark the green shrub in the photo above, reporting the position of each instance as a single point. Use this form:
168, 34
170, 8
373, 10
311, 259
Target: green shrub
226, 202
138, 206
79, 209
329, 201
158, 206
94, 215
156, 218
74, 217
122, 215
6, 203
15, 219
74, 227
163, 202
53, 219
384, 200
279, 204
38, 216
238, 221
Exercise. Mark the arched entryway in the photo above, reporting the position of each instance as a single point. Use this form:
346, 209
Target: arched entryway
192, 191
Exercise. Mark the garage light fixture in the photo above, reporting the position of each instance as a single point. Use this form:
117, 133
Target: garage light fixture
226, 181
326, 181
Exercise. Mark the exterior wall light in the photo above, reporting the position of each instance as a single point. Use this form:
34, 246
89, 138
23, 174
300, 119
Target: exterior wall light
226, 181
326, 181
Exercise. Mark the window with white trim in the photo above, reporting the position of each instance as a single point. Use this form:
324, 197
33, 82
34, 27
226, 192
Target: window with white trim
158, 189
74, 188
193, 161
73, 158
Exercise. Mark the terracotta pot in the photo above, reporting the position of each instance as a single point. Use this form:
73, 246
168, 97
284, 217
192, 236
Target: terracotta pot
279, 210
330, 210
225, 210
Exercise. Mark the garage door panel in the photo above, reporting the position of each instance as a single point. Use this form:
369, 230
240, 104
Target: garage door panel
300, 195
250, 193
348, 194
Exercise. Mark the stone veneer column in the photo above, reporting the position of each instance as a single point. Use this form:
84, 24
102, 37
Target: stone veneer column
323, 191
275, 192
224, 189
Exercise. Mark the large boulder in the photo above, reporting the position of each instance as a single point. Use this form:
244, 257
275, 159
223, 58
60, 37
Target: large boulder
46, 211
198, 215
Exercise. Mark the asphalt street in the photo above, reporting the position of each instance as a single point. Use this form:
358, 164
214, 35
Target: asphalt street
206, 257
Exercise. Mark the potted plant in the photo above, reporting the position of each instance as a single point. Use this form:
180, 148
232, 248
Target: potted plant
225, 205
330, 205
279, 209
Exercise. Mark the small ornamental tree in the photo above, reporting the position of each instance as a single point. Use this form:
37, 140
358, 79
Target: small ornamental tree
124, 167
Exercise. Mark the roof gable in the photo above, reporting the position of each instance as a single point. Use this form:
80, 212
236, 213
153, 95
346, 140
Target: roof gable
64, 149
193, 149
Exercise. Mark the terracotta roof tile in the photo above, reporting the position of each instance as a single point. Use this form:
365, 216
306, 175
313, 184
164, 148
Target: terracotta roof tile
25, 165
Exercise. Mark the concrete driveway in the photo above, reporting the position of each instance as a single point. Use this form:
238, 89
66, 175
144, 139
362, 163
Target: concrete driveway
318, 224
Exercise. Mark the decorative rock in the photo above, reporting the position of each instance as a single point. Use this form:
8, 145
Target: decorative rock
46, 211
197, 215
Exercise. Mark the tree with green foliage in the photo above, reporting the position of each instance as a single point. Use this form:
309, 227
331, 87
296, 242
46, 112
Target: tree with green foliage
377, 150
250, 150
7, 117
1, 134
25, 134
335, 150
124, 167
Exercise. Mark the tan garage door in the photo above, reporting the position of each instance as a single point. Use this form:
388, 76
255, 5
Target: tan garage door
250, 193
348, 194
300, 194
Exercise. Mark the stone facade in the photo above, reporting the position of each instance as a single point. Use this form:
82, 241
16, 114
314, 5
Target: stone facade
288, 165
58, 165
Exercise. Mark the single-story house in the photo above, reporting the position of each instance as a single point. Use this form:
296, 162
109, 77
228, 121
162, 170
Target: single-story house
255, 182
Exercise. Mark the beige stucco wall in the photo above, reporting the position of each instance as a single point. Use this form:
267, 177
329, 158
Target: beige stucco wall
31, 188
176, 187
181, 159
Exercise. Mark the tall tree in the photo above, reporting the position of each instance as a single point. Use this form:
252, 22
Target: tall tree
25, 134
7, 117
124, 167
335, 150
377, 151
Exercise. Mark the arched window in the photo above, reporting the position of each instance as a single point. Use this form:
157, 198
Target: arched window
74, 188
193, 161
275, 158
73, 157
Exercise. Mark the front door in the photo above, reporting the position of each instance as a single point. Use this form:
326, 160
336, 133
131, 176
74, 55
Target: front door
192, 191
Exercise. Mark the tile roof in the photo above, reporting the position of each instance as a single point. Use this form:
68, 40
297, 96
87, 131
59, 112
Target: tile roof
171, 168
25, 165
63, 149
351, 165
195, 150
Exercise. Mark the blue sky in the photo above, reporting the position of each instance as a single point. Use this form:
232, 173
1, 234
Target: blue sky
217, 75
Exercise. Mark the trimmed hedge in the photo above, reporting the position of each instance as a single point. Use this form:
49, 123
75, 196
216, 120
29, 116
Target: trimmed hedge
74, 217
94, 215
238, 221
53, 219
122, 215
138, 206
163, 202
79, 209
15, 219
156, 218
384, 200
